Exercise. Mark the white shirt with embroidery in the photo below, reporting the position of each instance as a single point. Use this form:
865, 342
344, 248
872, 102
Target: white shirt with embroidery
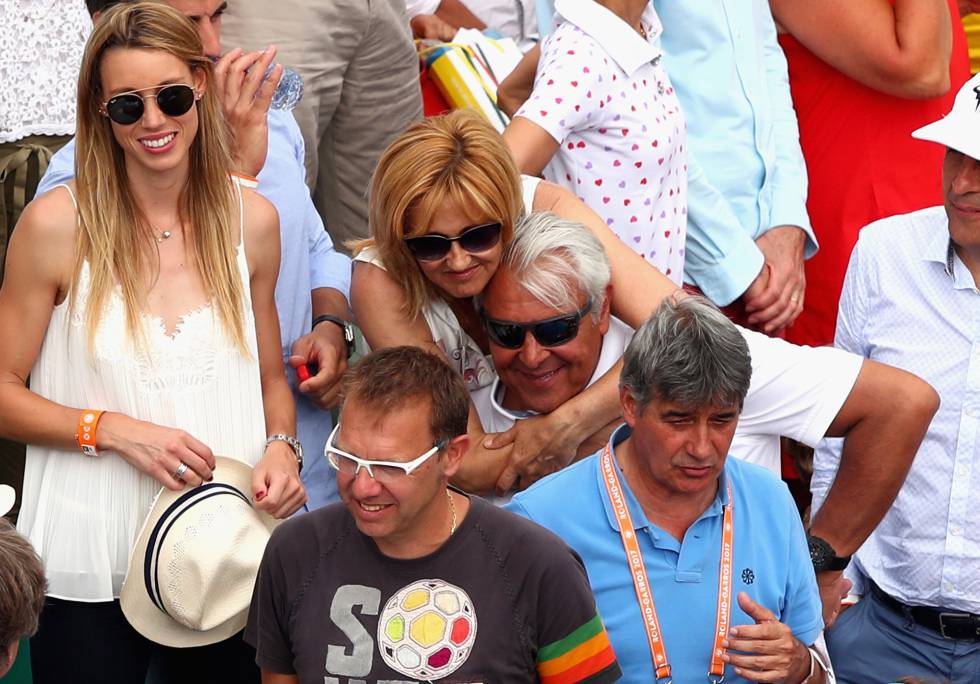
41, 45
603, 94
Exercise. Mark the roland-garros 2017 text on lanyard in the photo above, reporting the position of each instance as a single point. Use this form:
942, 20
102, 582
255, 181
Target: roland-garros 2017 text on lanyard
658, 651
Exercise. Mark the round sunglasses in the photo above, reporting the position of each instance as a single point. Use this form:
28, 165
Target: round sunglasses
128, 108
549, 332
434, 247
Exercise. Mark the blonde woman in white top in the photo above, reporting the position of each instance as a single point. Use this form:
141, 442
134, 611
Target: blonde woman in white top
140, 301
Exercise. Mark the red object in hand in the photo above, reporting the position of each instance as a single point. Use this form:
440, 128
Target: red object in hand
303, 372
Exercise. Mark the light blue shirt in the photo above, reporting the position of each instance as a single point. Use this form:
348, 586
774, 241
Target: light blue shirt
746, 172
308, 261
771, 562
910, 302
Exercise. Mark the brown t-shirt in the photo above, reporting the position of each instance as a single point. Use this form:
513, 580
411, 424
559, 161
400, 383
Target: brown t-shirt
503, 600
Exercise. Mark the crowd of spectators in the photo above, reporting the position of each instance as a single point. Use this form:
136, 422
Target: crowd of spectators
338, 393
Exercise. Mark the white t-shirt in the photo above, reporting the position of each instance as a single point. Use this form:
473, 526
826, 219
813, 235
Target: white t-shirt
603, 94
795, 392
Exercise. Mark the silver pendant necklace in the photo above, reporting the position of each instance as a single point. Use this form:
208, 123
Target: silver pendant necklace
163, 236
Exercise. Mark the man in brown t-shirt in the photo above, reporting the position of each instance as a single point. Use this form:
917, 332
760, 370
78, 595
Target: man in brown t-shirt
409, 579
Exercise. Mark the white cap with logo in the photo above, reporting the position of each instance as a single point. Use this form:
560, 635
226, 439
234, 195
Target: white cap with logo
960, 129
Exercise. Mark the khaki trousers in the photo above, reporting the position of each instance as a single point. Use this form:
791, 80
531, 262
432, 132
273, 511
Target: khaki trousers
360, 71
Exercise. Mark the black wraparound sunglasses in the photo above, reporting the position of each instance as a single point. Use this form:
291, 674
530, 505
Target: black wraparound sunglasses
550, 332
434, 247
128, 108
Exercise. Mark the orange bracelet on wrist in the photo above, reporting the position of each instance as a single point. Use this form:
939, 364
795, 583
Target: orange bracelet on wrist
85, 437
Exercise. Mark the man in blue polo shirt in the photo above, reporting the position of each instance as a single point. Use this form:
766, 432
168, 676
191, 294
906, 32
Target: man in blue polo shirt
721, 561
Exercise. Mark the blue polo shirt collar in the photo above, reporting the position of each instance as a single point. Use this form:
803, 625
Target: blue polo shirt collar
640, 520
627, 47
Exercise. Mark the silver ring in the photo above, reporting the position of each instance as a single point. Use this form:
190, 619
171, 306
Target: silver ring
181, 469
794, 298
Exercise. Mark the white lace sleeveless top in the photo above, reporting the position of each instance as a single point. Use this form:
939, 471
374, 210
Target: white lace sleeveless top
83, 514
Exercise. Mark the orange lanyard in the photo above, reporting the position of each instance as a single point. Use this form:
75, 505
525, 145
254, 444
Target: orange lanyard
641, 583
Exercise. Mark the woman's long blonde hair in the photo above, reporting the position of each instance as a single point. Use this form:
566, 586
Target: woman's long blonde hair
114, 237
458, 157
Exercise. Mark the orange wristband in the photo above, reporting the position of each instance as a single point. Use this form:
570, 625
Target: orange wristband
85, 437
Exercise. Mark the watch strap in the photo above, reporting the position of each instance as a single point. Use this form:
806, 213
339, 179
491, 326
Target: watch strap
345, 326
293, 444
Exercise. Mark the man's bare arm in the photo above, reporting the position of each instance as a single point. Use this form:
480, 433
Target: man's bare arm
883, 421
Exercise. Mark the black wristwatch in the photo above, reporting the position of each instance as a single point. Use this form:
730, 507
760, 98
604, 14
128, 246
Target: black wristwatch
823, 555
344, 325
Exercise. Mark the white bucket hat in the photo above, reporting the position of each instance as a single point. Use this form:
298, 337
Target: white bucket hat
960, 129
7, 498
193, 567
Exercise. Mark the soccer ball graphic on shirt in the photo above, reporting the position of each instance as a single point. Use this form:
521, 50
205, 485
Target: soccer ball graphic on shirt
427, 629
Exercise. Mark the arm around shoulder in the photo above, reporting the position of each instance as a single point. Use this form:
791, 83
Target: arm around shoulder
638, 287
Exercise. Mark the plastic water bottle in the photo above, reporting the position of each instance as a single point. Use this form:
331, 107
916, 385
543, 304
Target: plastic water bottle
289, 91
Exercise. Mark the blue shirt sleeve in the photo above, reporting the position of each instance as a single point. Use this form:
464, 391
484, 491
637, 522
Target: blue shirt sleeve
721, 258
788, 177
61, 168
328, 267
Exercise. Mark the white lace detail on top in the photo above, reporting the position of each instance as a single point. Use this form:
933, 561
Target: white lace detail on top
41, 45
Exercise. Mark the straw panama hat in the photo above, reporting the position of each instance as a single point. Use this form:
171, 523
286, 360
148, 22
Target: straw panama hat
7, 498
193, 566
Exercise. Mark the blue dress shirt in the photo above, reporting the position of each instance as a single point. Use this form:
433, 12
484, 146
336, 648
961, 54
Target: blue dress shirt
909, 301
308, 261
771, 562
746, 172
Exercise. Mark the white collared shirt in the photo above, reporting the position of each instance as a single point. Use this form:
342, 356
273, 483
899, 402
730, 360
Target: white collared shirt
910, 302
601, 92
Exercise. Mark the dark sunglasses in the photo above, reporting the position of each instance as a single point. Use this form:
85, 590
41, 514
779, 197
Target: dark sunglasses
128, 108
434, 247
550, 332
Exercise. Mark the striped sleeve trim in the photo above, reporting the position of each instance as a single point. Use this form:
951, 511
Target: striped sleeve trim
585, 655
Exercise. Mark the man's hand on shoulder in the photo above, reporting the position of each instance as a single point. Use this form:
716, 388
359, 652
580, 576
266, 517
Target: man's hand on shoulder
766, 651
775, 298
245, 99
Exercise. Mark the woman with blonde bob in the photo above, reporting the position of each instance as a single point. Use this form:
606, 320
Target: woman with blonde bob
445, 199
139, 299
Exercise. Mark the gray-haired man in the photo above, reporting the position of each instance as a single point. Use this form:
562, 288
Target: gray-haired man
551, 271
662, 506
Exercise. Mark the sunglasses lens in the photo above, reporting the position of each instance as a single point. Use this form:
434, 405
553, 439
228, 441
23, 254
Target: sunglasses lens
428, 247
556, 332
481, 238
175, 100
507, 335
125, 109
